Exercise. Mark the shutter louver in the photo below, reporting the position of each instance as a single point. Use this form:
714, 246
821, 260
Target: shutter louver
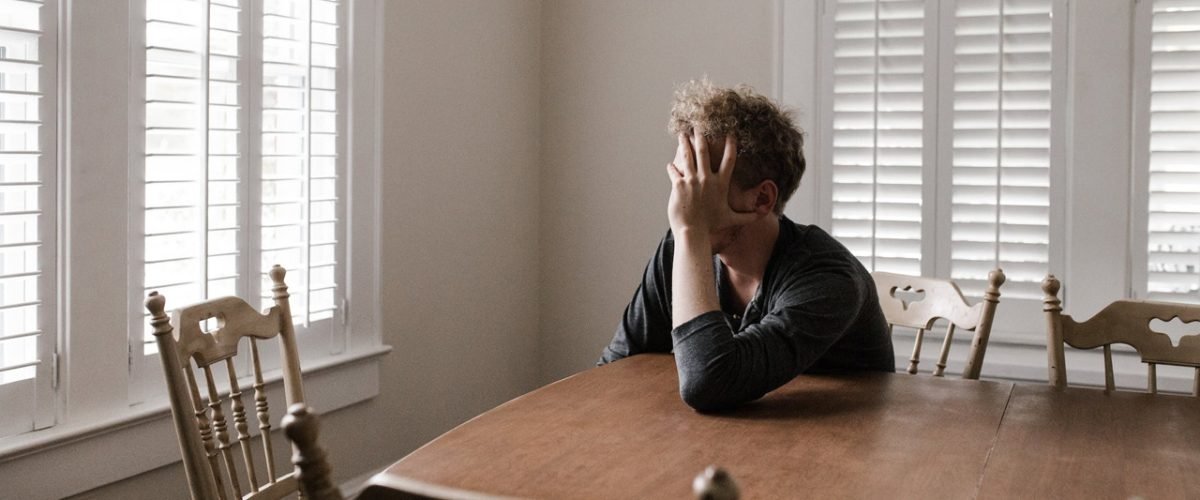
27, 220
1173, 226
1000, 213
877, 136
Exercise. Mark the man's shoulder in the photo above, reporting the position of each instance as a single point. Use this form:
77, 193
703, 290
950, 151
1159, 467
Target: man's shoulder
809, 246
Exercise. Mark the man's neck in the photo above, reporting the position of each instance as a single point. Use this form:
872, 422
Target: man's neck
747, 257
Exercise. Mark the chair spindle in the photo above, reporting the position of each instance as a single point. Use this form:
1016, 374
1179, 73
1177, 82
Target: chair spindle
264, 414
218, 416
916, 354
239, 423
1196, 383
1152, 377
1109, 385
206, 433
941, 364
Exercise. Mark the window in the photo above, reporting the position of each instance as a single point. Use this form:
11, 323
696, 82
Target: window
1167, 151
940, 136
241, 162
28, 162
218, 148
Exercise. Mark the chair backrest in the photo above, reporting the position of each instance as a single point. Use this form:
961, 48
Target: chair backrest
1121, 322
189, 353
917, 302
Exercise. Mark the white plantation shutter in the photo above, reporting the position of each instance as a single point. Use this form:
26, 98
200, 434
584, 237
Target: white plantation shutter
28, 53
242, 162
193, 162
877, 134
1172, 166
1001, 144
300, 161
939, 136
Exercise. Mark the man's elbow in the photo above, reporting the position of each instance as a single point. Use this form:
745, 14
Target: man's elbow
706, 395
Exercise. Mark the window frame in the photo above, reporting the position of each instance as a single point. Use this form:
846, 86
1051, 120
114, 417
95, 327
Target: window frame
325, 338
1095, 203
95, 410
937, 149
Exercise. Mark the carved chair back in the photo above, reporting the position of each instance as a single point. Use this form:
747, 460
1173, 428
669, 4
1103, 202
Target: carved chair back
189, 355
917, 302
1121, 322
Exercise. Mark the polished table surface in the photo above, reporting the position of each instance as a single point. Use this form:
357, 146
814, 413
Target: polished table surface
621, 431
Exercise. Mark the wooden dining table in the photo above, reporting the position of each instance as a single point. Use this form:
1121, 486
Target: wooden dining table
622, 431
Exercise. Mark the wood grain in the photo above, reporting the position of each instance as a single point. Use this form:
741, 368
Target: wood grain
621, 431
1084, 443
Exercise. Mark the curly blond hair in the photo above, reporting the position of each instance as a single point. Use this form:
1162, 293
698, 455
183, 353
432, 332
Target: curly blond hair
770, 146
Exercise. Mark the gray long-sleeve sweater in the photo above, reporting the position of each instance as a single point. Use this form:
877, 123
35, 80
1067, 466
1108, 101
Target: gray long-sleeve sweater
815, 310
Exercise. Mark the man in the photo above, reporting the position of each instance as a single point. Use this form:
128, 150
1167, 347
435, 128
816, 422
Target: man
788, 298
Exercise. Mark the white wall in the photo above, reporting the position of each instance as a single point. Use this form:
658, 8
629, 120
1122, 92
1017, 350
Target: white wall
609, 70
459, 233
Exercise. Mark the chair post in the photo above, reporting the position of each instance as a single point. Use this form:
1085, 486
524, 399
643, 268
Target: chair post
289, 353
991, 299
1055, 355
195, 460
312, 469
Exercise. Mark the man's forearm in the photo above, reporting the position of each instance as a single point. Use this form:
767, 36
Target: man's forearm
693, 291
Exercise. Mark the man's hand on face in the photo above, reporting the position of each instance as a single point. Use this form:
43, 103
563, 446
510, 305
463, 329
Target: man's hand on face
700, 197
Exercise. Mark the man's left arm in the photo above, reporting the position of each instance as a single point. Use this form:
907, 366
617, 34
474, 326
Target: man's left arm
718, 370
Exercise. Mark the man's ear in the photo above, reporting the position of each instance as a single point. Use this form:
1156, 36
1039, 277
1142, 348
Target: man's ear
766, 195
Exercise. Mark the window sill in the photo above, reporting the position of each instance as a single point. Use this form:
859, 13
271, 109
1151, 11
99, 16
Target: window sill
31, 464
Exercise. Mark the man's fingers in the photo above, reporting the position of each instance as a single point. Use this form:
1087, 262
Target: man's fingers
729, 160
674, 173
684, 160
701, 148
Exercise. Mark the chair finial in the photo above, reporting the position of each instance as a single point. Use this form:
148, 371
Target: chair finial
1051, 286
715, 484
279, 290
157, 305
996, 278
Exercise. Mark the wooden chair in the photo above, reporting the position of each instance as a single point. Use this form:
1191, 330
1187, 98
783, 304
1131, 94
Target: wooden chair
200, 420
1121, 322
934, 299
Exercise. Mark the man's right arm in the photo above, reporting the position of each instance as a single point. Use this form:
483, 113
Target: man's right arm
646, 324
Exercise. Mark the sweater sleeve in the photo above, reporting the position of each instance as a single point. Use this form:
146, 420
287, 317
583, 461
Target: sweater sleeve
718, 369
646, 324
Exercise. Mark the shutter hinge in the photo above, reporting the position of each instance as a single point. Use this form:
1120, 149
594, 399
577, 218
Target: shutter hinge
54, 370
344, 311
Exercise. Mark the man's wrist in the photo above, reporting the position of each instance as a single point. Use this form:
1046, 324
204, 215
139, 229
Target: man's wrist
688, 233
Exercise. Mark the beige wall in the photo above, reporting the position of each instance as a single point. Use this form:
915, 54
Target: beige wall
459, 232
609, 68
